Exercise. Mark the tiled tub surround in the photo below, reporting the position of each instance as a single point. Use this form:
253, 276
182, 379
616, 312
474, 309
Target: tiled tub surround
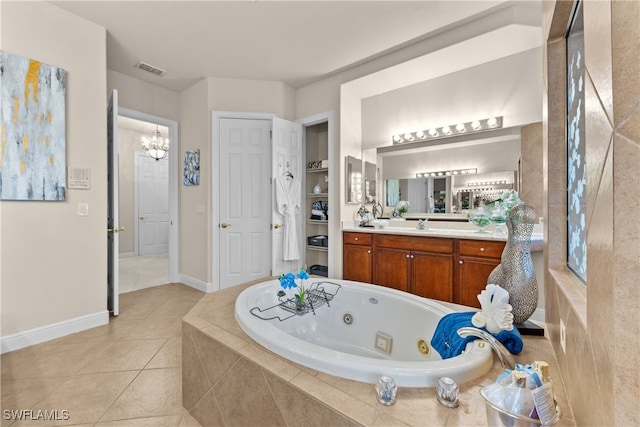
229, 380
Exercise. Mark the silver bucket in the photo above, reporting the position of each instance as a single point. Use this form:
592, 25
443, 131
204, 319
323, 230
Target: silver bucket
499, 417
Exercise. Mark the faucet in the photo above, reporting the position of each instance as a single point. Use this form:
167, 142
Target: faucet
505, 356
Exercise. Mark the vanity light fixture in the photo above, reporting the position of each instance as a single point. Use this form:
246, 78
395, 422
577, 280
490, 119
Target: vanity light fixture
479, 183
447, 131
447, 173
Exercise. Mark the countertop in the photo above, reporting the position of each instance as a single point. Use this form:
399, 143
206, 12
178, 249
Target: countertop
446, 229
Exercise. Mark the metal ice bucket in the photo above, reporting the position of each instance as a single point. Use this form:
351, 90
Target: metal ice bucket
498, 417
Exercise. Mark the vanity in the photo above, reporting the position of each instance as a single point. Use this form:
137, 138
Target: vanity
450, 261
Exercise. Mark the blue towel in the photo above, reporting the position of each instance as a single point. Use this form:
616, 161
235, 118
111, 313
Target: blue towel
448, 343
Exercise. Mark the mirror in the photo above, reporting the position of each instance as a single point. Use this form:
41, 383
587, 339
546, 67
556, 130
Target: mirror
370, 174
353, 178
425, 195
448, 194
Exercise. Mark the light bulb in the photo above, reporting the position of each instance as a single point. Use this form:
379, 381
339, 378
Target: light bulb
446, 130
475, 125
460, 127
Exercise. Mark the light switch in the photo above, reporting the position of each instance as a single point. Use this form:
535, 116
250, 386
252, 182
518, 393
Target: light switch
83, 209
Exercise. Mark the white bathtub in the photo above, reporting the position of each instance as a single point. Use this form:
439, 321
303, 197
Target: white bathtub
326, 343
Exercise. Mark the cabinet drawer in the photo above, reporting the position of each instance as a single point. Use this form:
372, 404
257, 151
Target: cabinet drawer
481, 248
410, 243
356, 238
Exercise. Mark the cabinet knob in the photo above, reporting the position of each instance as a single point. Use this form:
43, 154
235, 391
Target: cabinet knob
481, 249
411, 256
369, 251
460, 262
355, 238
407, 255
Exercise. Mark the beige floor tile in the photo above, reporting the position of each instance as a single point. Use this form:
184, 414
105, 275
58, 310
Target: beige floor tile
188, 421
168, 421
85, 397
125, 355
24, 394
154, 328
45, 361
169, 356
155, 392
173, 308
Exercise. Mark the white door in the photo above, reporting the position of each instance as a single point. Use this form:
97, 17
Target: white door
245, 200
153, 205
113, 227
287, 157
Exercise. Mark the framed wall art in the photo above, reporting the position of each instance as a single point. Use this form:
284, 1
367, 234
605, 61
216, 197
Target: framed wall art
32, 129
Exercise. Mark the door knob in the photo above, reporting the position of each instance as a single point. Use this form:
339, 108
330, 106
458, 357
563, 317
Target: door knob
115, 230
278, 225
225, 225
141, 218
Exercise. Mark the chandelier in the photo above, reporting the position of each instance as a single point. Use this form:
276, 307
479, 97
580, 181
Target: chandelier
155, 146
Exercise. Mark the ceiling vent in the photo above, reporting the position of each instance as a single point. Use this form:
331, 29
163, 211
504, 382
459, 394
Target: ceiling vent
150, 68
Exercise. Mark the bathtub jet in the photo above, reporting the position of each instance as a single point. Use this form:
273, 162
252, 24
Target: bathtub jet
390, 336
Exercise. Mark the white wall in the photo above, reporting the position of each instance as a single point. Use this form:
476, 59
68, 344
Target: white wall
503, 87
492, 157
196, 103
54, 262
144, 97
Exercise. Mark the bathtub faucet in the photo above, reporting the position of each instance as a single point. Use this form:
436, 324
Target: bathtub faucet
505, 356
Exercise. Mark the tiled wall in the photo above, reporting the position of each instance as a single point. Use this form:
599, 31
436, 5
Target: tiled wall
532, 167
601, 365
224, 388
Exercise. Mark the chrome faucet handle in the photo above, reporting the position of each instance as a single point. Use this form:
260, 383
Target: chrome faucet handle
505, 356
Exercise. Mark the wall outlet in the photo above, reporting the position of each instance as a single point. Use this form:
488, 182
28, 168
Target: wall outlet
563, 337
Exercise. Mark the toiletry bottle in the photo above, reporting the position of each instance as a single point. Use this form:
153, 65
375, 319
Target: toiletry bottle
519, 400
543, 396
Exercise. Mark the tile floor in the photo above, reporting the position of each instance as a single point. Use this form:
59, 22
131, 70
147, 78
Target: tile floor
126, 373
140, 272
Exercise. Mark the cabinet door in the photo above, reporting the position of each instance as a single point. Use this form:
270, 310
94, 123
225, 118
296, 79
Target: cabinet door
356, 263
391, 268
432, 275
472, 279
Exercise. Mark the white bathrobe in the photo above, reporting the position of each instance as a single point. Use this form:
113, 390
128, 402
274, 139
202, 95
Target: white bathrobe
288, 201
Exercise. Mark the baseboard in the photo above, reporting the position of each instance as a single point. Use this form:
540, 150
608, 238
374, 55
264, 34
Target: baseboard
196, 283
55, 330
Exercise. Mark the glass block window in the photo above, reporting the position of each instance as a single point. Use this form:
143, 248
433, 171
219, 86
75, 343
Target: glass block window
576, 173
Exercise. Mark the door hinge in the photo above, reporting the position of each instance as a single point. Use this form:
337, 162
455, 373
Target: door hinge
270, 134
270, 272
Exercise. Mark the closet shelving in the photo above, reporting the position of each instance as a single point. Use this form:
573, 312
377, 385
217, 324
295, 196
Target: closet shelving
317, 150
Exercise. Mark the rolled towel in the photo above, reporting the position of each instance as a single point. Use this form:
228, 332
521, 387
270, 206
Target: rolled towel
448, 343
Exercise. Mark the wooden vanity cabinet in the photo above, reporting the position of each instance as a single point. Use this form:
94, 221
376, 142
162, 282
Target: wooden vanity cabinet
357, 257
475, 261
445, 269
419, 265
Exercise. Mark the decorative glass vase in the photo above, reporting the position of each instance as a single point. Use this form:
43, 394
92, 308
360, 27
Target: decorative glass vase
480, 217
515, 272
499, 217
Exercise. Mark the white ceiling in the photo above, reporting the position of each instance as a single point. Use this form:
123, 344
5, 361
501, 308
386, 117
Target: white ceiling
296, 42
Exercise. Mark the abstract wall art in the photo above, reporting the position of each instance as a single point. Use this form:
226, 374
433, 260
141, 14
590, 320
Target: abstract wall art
192, 167
32, 129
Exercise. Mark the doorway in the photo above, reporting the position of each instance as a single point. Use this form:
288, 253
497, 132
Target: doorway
147, 204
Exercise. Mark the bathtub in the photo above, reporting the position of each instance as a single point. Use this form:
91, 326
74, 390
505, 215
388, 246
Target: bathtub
364, 332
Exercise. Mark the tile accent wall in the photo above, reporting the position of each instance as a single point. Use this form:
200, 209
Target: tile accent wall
532, 167
600, 366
